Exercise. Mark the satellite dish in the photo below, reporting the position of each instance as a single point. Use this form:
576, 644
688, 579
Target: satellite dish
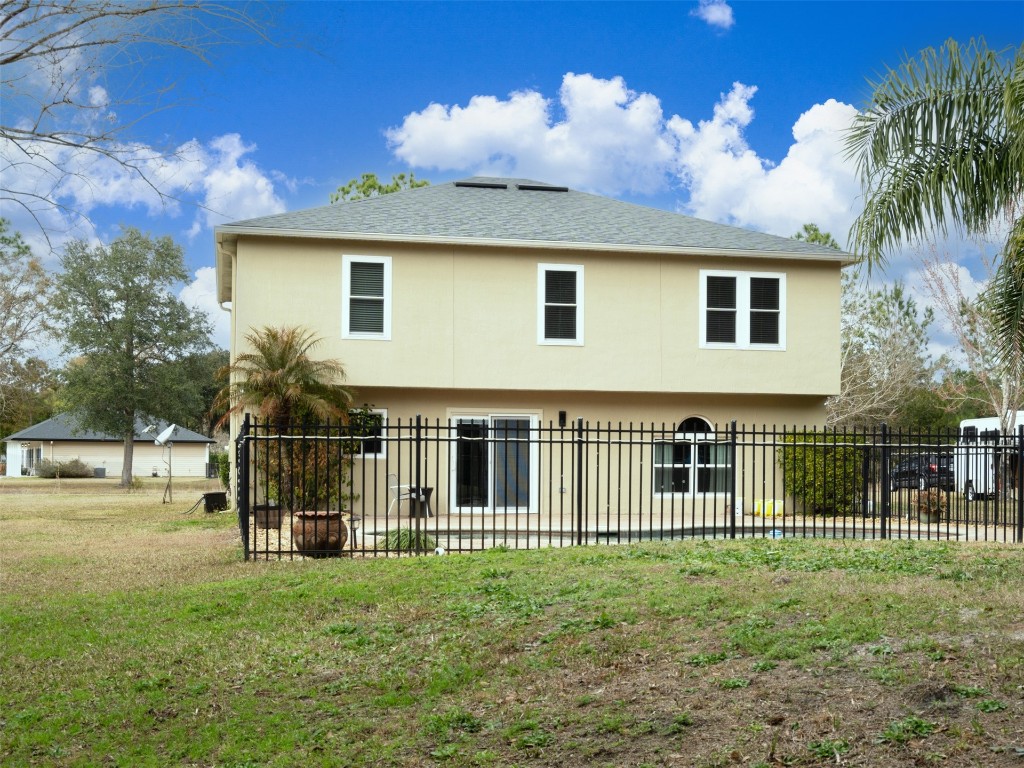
164, 437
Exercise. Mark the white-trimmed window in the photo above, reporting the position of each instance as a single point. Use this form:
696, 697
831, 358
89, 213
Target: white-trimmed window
366, 297
693, 462
369, 425
560, 304
742, 310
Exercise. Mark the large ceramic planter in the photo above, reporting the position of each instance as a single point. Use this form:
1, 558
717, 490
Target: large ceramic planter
928, 518
319, 534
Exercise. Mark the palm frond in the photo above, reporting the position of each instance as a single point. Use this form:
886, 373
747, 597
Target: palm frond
1005, 299
281, 382
938, 145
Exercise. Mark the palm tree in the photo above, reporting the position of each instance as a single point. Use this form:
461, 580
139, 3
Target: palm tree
281, 383
942, 142
284, 385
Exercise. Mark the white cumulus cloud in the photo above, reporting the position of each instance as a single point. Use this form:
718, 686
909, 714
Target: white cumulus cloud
729, 182
233, 186
716, 13
56, 190
601, 136
610, 138
201, 295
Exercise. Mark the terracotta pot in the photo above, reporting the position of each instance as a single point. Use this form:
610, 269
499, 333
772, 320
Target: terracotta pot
319, 534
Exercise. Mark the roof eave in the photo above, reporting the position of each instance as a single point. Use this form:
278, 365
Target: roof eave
227, 237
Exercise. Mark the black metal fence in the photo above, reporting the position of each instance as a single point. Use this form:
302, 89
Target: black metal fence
477, 483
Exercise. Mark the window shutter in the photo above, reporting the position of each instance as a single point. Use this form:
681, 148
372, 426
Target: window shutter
721, 309
560, 322
367, 279
764, 310
366, 302
559, 287
559, 304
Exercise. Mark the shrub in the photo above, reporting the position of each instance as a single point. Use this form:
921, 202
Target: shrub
408, 540
225, 470
823, 471
47, 469
931, 502
222, 460
73, 468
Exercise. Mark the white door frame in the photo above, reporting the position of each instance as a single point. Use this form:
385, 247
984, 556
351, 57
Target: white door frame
488, 418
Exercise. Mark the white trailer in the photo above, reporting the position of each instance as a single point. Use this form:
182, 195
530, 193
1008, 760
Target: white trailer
981, 465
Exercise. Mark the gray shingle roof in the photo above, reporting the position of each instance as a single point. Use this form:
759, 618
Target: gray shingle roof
502, 211
63, 427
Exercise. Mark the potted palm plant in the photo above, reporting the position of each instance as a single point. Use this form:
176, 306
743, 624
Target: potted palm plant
932, 506
285, 386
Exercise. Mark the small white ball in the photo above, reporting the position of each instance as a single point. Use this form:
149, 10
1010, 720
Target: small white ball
439, 551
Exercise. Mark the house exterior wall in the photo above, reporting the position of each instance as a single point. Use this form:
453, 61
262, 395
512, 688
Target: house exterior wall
659, 415
189, 459
466, 319
594, 407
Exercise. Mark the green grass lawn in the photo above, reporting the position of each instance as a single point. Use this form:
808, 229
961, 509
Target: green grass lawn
135, 635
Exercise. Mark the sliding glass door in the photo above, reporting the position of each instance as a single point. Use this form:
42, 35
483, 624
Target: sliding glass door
494, 463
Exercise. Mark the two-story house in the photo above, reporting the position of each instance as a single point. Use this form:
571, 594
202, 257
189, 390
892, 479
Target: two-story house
500, 304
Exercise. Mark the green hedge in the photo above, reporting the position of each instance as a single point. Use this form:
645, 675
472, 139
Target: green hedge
223, 461
823, 471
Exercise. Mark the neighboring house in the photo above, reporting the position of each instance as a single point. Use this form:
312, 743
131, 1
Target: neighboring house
504, 303
60, 439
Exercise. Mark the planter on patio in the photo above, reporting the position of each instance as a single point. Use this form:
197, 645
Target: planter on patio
931, 506
267, 516
319, 534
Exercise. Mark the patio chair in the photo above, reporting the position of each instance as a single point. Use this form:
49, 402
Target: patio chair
399, 493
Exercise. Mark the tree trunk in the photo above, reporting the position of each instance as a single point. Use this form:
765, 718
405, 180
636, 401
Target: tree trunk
126, 469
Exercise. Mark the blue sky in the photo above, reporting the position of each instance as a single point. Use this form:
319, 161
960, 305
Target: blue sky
729, 111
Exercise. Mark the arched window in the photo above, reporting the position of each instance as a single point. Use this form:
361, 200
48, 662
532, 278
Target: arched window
694, 462
693, 425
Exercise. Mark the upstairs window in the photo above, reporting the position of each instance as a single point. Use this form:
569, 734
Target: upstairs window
742, 310
560, 304
366, 297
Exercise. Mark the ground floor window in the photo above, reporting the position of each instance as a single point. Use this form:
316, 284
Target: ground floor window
692, 462
368, 424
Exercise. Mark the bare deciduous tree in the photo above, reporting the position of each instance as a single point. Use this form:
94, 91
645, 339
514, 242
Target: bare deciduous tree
884, 348
885, 357
75, 83
24, 286
998, 380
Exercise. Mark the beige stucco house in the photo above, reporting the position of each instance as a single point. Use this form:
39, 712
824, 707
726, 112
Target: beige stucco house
495, 300
60, 439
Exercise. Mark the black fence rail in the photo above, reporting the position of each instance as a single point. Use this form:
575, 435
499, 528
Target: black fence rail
476, 483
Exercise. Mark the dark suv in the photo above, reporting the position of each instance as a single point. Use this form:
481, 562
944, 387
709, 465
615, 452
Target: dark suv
925, 470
